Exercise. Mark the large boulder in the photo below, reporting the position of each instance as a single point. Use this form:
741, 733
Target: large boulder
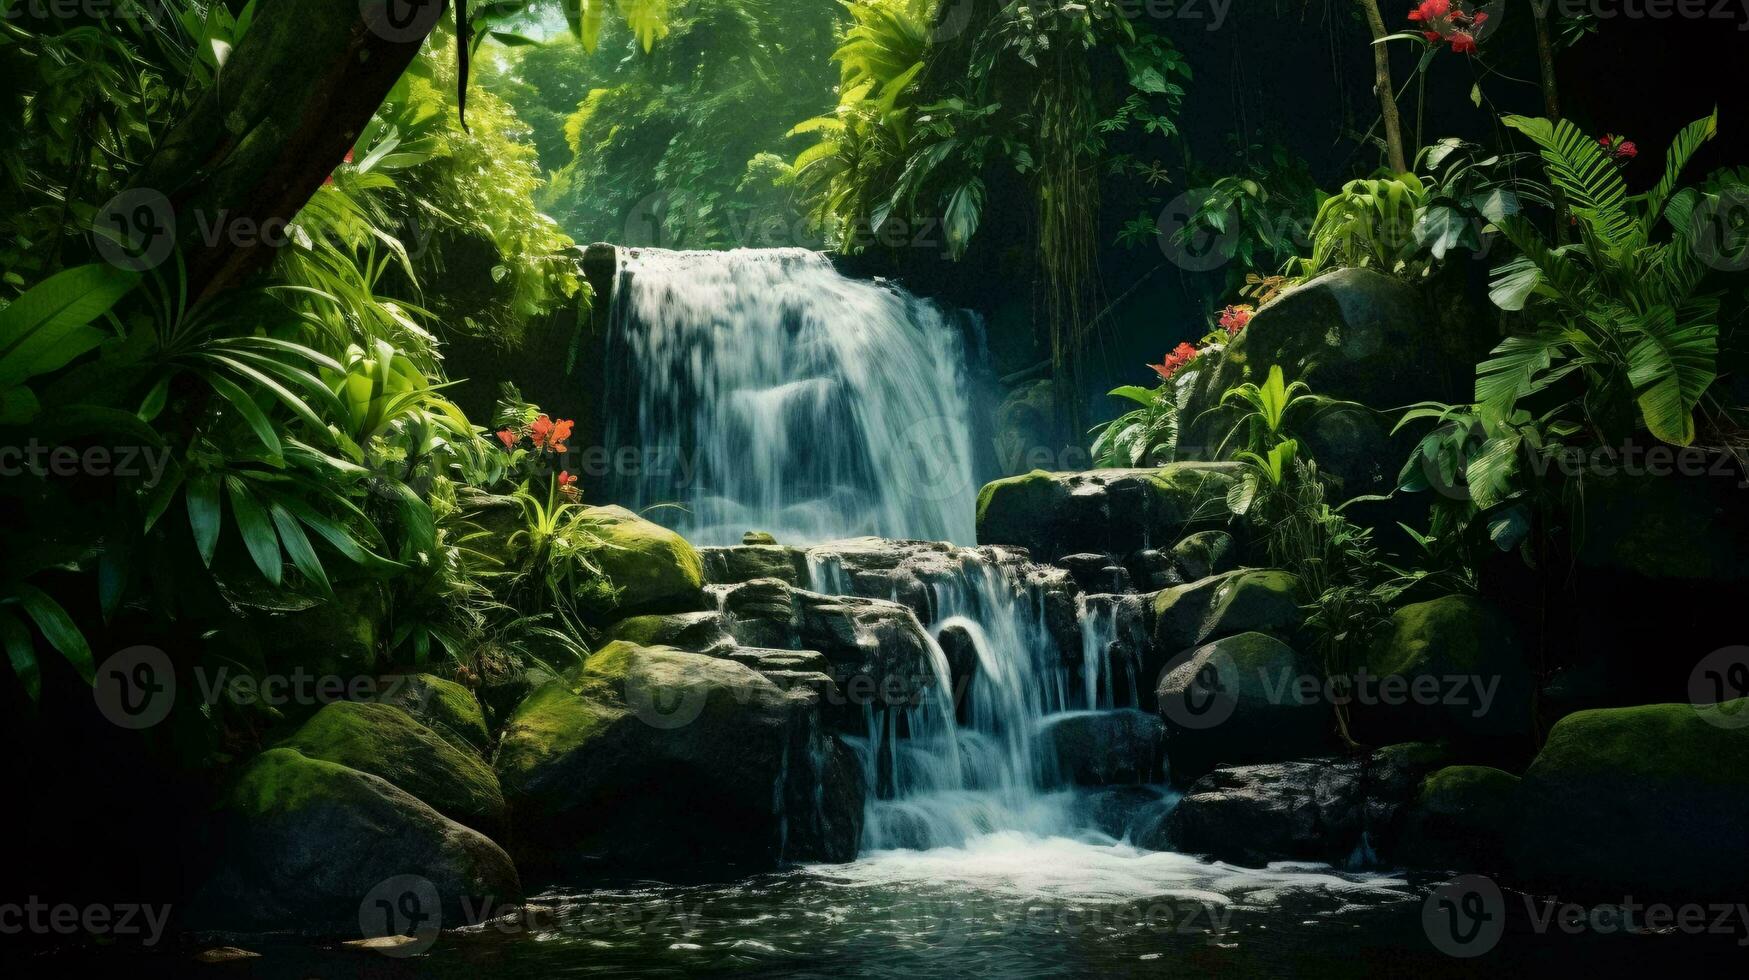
385, 741
1113, 512
1339, 809
649, 759
443, 706
744, 563
1648, 801
304, 845
1241, 699
1099, 748
1452, 667
651, 568
1459, 820
1245, 601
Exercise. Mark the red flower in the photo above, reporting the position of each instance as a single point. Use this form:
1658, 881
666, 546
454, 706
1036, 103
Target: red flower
1441, 20
1617, 148
566, 479
568, 485
330, 178
548, 434
1430, 10
1234, 319
1181, 355
508, 438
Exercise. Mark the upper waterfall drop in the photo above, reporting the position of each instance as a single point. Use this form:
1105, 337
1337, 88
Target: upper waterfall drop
763, 390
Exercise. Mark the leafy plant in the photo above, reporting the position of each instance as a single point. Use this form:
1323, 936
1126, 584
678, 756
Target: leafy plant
1618, 309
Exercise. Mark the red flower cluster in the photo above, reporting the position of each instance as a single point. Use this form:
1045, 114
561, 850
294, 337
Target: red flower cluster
547, 434
1234, 319
1618, 148
1181, 355
543, 432
1447, 21
568, 484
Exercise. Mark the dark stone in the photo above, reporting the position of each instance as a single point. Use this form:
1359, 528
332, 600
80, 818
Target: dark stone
1462, 676
301, 844
1095, 574
1115, 512
1098, 748
1651, 800
1342, 810
1240, 700
652, 760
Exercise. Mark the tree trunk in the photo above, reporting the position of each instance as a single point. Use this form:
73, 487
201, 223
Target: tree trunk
1387, 92
1545, 59
289, 102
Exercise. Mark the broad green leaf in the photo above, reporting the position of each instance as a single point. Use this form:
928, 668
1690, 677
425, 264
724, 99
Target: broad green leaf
57, 627
257, 530
49, 324
21, 652
204, 514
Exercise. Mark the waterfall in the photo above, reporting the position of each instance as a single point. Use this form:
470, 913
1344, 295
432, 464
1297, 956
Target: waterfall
979, 755
760, 389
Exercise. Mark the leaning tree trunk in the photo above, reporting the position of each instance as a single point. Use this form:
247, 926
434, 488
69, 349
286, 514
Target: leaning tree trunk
287, 105
1387, 92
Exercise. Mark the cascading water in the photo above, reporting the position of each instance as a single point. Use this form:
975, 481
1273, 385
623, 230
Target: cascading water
978, 756
760, 389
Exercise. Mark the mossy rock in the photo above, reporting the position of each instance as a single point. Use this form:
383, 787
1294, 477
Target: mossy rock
445, 707
1114, 512
1451, 667
1243, 601
301, 843
650, 568
1205, 553
1240, 700
650, 758
1459, 820
385, 741
1651, 801
744, 563
697, 632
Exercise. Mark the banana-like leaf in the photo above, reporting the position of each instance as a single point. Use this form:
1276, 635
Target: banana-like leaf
1670, 367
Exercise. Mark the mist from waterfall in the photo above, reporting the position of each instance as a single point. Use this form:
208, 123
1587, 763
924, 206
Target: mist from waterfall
758, 389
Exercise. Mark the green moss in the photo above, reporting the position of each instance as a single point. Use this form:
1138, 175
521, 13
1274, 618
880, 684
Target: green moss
385, 741
1657, 743
652, 568
560, 717
1467, 791
1038, 483
284, 781
1451, 633
444, 706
